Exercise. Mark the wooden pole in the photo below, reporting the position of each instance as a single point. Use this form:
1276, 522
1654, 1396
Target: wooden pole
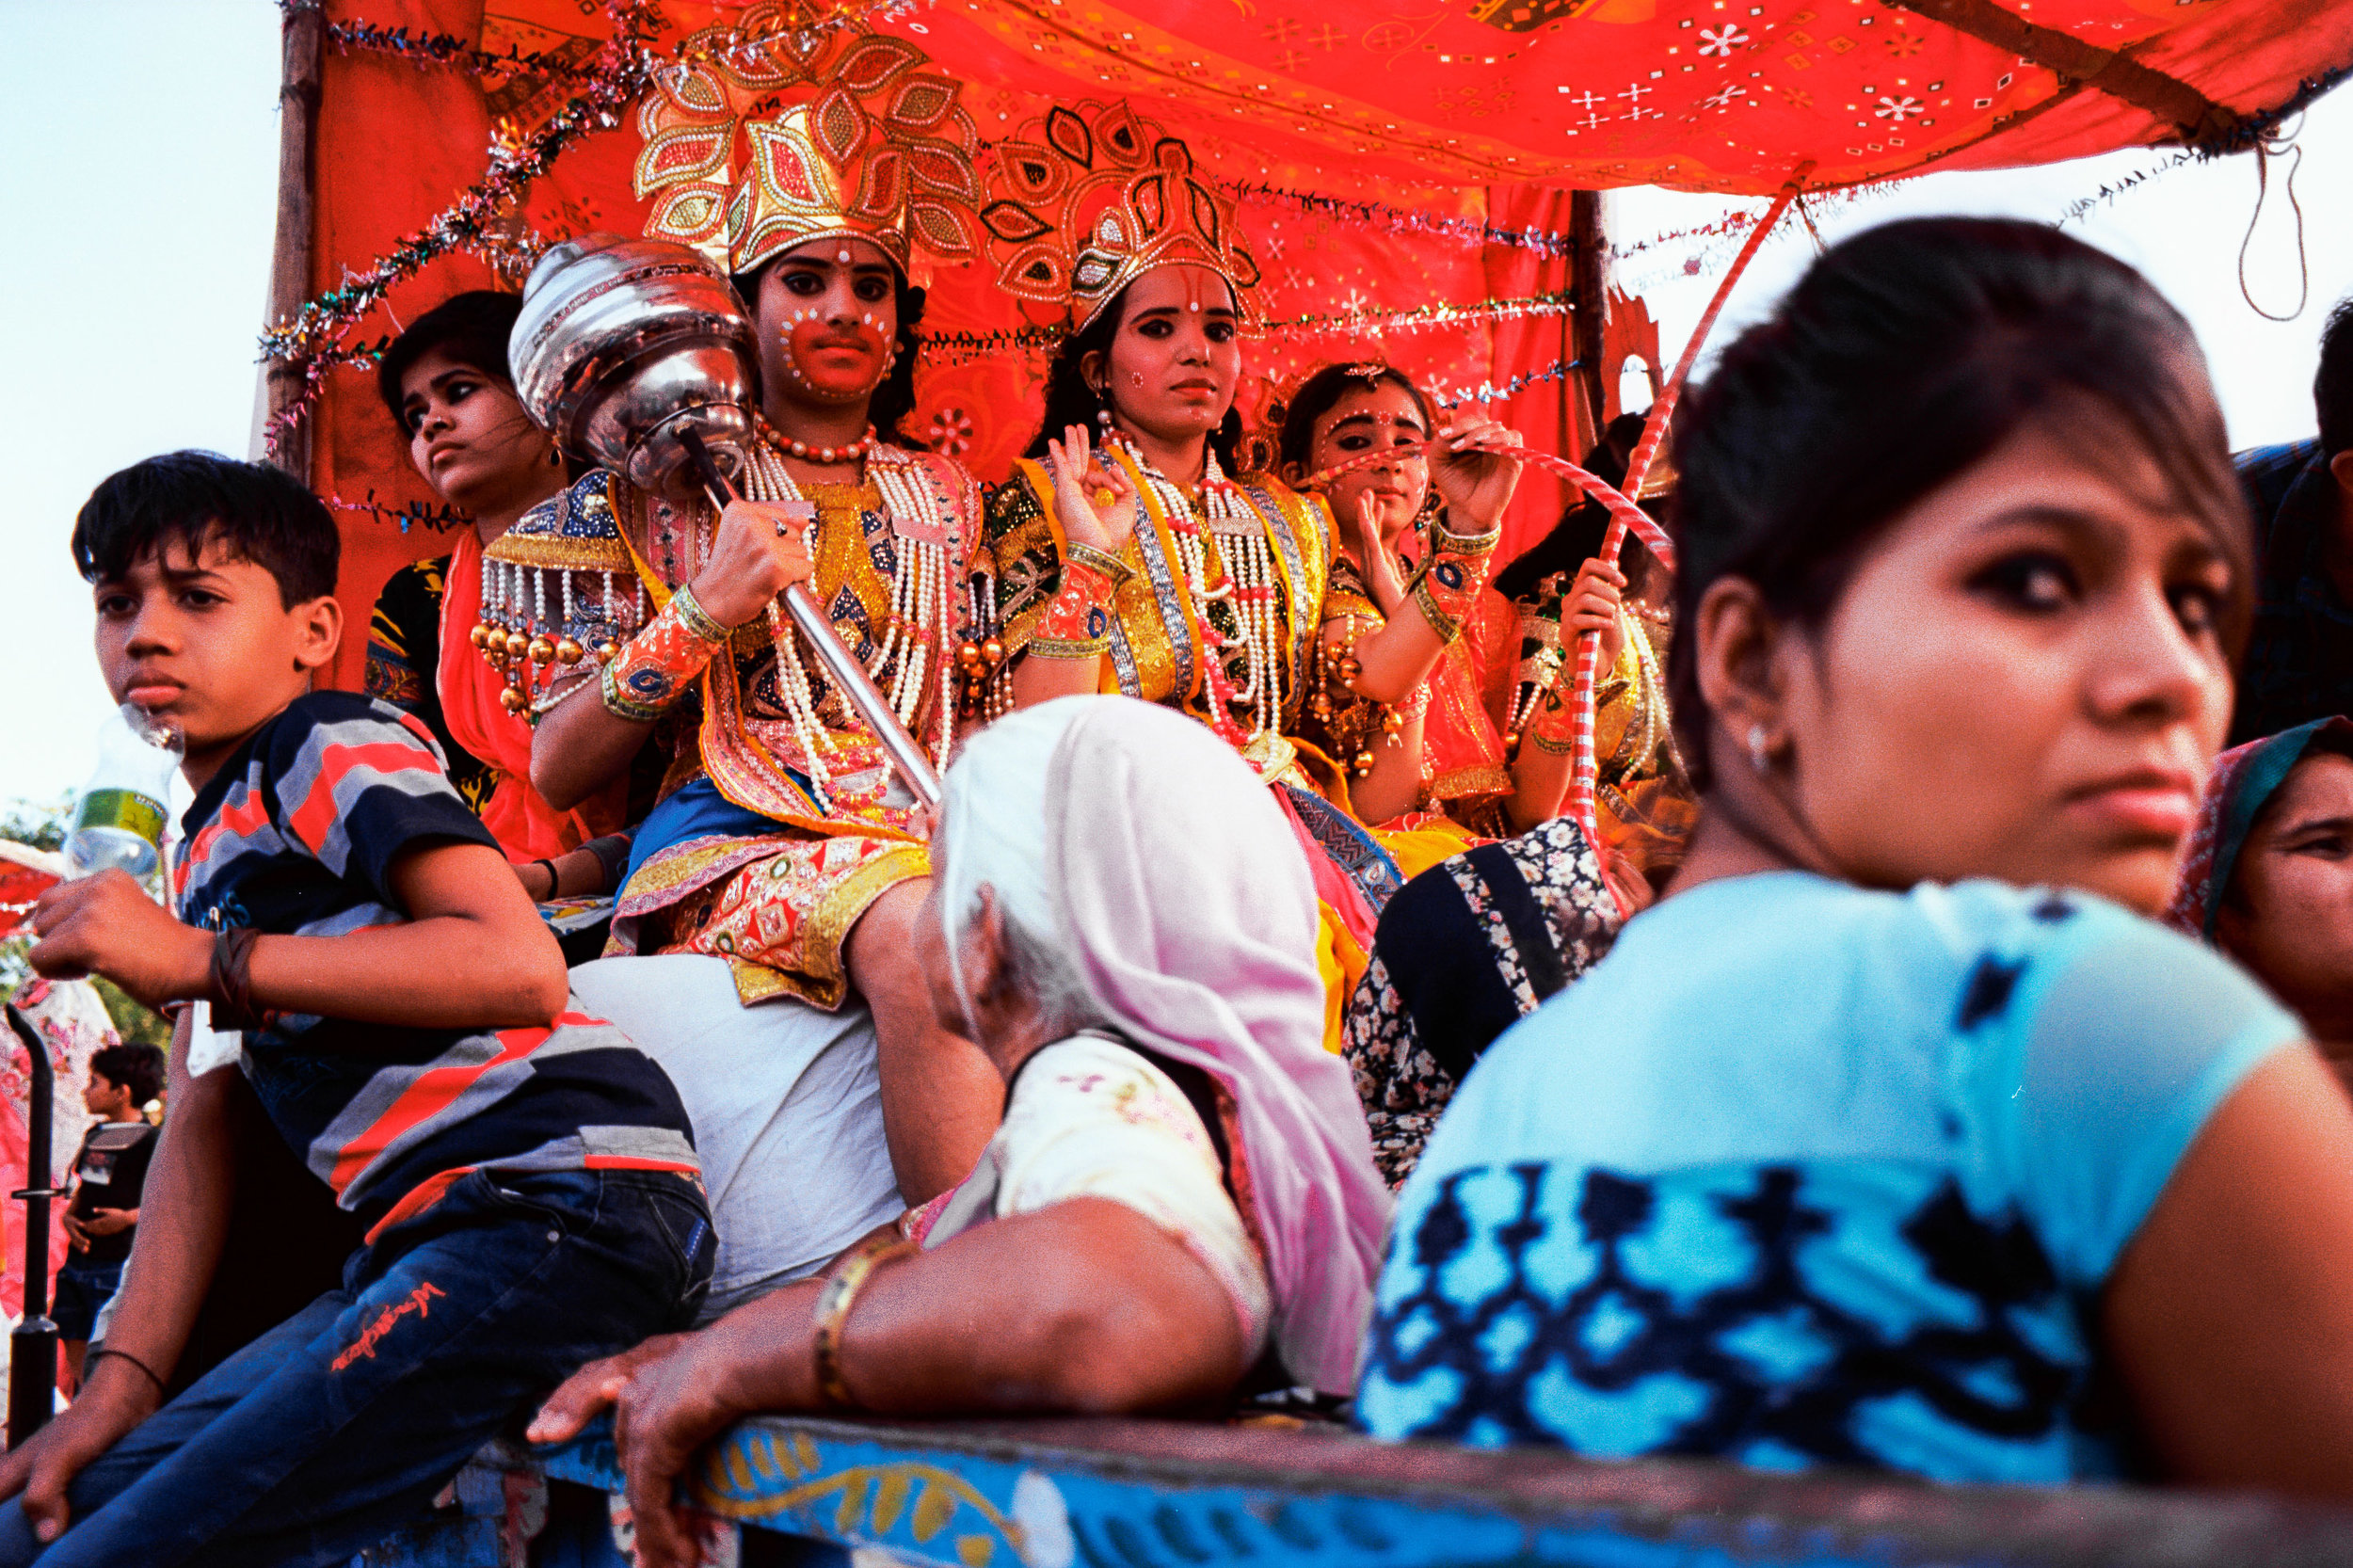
290, 256
1589, 294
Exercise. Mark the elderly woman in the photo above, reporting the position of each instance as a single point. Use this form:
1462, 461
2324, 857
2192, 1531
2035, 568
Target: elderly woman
1181, 1195
2270, 877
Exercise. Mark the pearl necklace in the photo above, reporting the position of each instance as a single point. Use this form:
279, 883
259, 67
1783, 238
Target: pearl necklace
914, 635
1249, 585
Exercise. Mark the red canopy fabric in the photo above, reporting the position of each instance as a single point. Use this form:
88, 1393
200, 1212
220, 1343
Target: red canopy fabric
1386, 158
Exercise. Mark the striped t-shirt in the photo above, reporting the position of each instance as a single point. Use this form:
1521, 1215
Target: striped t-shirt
295, 834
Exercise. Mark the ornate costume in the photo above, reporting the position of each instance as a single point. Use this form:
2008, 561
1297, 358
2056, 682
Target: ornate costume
1216, 602
780, 821
1465, 779
1643, 799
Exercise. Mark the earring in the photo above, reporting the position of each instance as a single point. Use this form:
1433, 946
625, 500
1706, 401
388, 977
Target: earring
1103, 406
1760, 752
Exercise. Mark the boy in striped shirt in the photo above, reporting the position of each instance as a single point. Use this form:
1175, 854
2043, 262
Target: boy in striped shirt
528, 1175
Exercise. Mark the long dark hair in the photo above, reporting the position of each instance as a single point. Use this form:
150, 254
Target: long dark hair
1070, 401
1320, 392
894, 398
1905, 356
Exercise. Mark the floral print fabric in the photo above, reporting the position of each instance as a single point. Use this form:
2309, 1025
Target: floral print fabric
1465, 951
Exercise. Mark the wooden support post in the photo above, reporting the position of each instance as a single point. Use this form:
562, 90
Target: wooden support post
2199, 121
1589, 286
290, 256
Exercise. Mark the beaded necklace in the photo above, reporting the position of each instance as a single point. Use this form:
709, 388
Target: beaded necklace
915, 632
1248, 584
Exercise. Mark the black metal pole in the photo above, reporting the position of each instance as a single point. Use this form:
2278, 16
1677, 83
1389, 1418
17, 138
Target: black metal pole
33, 1348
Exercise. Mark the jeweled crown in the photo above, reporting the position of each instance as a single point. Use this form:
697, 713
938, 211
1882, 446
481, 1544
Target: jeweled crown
786, 127
1086, 201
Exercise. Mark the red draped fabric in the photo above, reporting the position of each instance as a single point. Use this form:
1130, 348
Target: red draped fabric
1368, 145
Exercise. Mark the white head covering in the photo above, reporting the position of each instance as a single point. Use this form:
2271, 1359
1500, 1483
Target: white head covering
1174, 886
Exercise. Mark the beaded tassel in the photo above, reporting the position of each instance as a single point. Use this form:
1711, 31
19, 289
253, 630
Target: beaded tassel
924, 577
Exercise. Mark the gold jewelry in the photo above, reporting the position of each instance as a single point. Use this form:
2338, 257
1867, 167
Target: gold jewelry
698, 620
832, 1312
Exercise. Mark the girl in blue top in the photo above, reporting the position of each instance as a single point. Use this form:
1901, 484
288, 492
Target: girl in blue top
1894, 1135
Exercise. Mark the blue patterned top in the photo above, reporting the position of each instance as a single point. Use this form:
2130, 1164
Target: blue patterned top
1805, 1175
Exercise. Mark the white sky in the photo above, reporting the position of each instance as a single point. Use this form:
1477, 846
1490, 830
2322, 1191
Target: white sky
142, 176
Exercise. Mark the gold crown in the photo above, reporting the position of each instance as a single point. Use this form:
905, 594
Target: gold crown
1086, 201
842, 133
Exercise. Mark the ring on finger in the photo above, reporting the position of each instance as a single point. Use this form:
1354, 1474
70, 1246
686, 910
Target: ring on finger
779, 528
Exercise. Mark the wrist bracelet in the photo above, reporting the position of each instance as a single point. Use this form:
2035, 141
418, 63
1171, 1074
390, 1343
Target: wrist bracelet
553, 880
1114, 570
698, 619
832, 1312
99, 1351
233, 1008
612, 853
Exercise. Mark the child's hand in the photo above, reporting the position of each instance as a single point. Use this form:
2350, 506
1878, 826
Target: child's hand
107, 925
756, 553
73, 1231
108, 1221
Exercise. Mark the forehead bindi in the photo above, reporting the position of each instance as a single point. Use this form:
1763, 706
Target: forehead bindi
1181, 290
1386, 405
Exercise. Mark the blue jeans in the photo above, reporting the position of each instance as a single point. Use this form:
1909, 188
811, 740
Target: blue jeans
329, 1430
81, 1290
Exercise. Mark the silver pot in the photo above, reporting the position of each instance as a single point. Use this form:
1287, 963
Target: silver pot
623, 345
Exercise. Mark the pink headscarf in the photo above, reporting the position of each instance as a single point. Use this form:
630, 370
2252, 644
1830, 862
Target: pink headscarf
1185, 903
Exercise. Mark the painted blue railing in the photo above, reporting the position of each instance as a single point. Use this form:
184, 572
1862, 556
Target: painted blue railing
1122, 1493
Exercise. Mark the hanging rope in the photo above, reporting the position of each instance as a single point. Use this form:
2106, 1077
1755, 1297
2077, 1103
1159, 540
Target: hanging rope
2268, 146
1584, 766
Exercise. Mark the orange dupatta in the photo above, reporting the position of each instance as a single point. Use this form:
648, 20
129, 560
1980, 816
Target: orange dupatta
517, 816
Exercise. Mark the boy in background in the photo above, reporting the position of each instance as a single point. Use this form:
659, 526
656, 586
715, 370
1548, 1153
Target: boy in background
108, 1173
527, 1176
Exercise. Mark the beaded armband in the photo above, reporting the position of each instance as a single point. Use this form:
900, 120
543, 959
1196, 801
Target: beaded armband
653, 669
1448, 584
1078, 623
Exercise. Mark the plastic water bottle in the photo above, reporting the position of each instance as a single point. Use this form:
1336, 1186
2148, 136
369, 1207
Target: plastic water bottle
119, 818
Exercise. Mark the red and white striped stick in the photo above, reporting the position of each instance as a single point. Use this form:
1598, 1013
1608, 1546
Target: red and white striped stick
1585, 765
1622, 511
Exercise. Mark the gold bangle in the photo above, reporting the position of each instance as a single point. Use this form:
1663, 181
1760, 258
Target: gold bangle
1114, 569
697, 619
832, 1312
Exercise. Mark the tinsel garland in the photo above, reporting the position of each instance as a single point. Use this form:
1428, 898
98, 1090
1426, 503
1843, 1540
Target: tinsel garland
439, 48
965, 347
1487, 391
622, 70
1469, 231
414, 514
